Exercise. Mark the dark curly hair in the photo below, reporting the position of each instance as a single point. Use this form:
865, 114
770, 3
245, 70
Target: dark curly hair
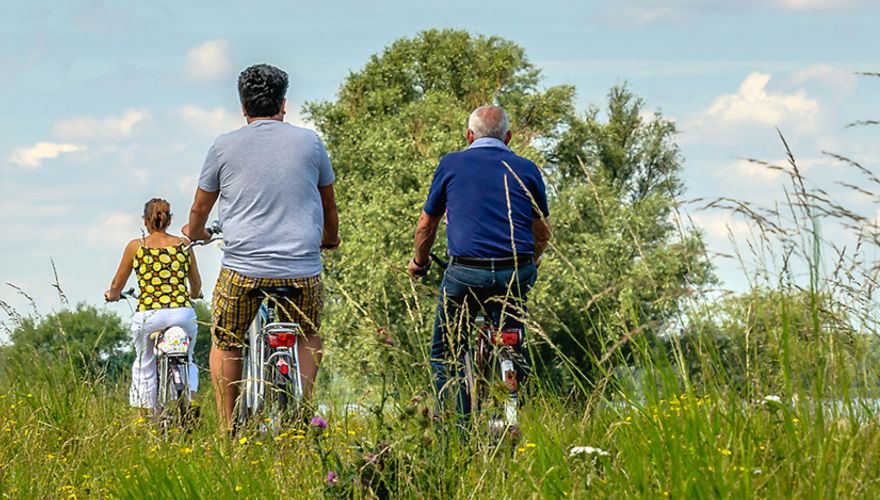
261, 89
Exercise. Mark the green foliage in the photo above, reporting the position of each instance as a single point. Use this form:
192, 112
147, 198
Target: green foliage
768, 339
90, 341
621, 263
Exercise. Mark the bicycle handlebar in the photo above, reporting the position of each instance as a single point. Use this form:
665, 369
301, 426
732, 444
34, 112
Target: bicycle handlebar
216, 232
432, 257
128, 294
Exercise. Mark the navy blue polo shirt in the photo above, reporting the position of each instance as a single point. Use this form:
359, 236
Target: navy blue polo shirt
469, 186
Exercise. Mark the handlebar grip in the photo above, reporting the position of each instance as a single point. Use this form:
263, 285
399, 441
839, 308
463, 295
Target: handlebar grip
214, 228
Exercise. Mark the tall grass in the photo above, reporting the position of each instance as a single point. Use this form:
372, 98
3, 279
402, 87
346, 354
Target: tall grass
769, 394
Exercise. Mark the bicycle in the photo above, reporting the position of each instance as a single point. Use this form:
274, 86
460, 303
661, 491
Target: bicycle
490, 374
271, 379
172, 364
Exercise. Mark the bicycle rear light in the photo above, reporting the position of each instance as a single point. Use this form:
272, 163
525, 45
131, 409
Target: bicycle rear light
509, 337
282, 339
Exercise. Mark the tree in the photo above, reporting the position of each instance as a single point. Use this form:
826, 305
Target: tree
386, 131
92, 341
617, 261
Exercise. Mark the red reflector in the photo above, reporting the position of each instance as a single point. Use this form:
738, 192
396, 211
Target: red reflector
509, 337
284, 368
282, 339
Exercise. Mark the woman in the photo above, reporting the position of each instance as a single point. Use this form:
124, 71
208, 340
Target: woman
162, 265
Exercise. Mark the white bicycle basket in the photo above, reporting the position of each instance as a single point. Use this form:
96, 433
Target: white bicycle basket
174, 341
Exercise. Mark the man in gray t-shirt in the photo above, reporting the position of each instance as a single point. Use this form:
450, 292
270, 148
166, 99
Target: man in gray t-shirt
274, 183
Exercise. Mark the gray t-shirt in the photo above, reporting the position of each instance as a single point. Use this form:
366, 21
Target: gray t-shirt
268, 175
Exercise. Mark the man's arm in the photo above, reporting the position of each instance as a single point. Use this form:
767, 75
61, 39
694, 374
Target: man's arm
426, 232
541, 232
198, 215
331, 217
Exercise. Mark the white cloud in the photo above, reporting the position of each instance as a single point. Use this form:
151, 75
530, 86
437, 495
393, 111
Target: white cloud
720, 226
85, 128
208, 61
211, 122
33, 157
752, 103
114, 229
832, 76
744, 171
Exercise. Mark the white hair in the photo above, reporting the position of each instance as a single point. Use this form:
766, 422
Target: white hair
489, 121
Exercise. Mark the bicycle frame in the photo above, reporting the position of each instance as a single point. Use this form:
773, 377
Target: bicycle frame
261, 361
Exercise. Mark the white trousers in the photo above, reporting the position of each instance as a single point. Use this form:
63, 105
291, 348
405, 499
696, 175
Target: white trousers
144, 379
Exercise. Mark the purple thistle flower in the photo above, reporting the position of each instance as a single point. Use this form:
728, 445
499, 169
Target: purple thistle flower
318, 422
332, 477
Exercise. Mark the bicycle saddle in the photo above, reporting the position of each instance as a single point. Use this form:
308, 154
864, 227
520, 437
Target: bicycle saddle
288, 292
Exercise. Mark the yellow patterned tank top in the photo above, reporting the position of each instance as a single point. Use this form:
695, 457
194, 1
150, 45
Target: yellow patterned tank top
161, 274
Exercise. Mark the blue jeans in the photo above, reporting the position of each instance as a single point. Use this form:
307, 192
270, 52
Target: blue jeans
464, 291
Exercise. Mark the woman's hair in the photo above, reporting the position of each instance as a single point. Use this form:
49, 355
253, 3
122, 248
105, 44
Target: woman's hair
157, 214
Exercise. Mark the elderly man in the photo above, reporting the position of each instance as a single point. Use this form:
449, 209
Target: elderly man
496, 211
274, 182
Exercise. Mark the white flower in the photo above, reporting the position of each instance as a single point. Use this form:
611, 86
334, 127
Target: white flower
772, 399
587, 450
757, 472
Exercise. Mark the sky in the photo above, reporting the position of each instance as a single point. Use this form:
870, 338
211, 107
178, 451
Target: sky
109, 103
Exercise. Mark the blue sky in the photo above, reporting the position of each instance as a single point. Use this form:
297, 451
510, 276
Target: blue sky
106, 104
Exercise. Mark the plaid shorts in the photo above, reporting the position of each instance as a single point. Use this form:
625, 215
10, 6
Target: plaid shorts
232, 310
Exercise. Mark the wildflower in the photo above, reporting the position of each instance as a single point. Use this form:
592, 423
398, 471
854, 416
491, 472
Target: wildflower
351, 433
258, 443
318, 422
243, 440
520, 450
186, 450
531, 445
724, 451
757, 472
795, 420
332, 477
30, 395
772, 399
238, 487
587, 450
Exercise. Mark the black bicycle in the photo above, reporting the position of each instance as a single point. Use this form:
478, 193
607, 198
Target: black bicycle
490, 375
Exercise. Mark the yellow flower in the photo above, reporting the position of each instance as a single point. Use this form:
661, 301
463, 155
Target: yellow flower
243, 440
795, 420
724, 451
531, 445
186, 450
258, 443
351, 433
520, 450
238, 487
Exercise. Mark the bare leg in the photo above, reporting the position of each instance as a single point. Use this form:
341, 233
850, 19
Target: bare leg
310, 352
225, 374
